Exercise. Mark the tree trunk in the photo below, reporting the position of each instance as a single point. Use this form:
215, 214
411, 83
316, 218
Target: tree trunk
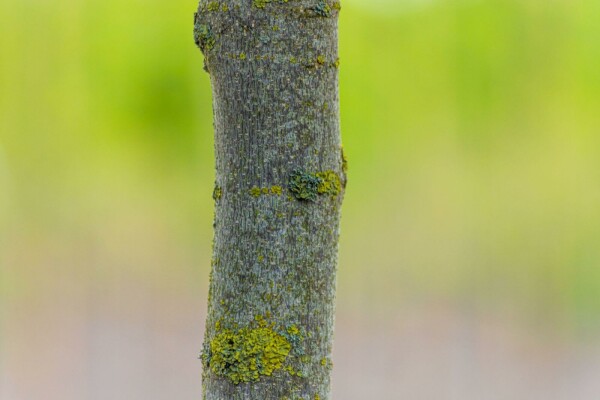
280, 178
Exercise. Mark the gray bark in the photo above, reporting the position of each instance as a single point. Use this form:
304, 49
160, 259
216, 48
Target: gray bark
280, 178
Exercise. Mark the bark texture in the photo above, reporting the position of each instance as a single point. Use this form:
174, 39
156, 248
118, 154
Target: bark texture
280, 178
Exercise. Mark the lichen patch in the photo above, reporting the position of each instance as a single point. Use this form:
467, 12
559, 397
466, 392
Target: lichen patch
307, 186
247, 354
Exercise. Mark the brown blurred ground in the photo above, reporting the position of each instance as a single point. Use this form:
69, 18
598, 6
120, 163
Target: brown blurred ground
135, 345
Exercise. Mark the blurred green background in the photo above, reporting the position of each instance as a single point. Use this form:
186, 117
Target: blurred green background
470, 250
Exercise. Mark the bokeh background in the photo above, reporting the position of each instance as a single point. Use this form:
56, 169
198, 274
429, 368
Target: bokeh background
470, 249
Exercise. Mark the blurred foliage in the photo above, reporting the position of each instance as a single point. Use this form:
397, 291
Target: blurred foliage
471, 129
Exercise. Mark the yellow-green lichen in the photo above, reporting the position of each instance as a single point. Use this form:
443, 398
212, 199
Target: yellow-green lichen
260, 3
213, 6
295, 337
307, 186
255, 191
263, 3
290, 370
336, 63
330, 183
247, 354
217, 193
265, 191
293, 330
321, 59
344, 161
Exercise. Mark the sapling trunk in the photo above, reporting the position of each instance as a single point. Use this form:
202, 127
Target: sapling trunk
280, 179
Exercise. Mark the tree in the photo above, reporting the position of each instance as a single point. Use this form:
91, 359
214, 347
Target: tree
280, 179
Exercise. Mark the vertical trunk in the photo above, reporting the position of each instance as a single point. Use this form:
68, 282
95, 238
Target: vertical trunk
279, 185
